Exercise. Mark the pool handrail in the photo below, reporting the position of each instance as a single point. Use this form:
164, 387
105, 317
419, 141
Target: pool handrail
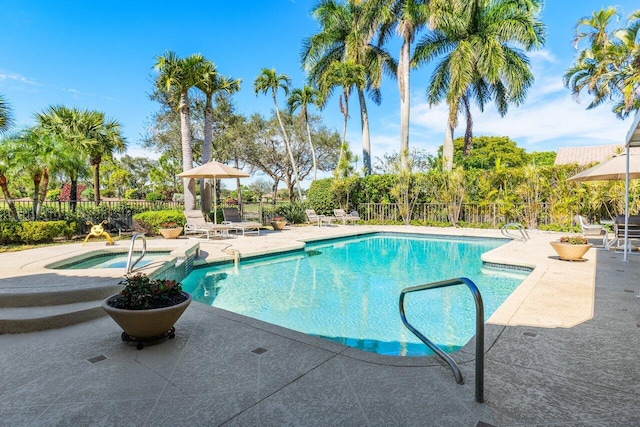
479, 330
130, 266
515, 226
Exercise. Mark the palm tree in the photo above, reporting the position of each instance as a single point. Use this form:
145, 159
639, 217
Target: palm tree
302, 98
176, 76
270, 81
480, 43
407, 17
90, 131
7, 162
608, 66
345, 74
210, 83
61, 124
6, 115
346, 33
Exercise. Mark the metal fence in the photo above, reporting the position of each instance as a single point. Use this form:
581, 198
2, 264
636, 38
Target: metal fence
489, 214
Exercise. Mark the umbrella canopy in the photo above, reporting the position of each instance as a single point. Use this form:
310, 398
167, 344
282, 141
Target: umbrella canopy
214, 170
611, 170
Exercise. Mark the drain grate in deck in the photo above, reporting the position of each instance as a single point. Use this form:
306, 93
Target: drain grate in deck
97, 359
529, 334
259, 350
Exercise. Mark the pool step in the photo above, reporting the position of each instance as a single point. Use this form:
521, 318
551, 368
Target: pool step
17, 320
28, 308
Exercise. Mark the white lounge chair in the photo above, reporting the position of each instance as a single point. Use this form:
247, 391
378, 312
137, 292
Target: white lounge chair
593, 230
312, 216
340, 214
196, 224
233, 220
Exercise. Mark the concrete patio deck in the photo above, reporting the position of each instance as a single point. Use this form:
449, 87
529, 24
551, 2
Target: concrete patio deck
562, 350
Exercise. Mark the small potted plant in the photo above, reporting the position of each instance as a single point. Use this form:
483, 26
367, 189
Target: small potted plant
170, 229
146, 309
571, 248
278, 222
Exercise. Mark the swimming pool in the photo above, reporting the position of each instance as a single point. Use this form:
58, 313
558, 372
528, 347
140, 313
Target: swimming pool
109, 260
347, 290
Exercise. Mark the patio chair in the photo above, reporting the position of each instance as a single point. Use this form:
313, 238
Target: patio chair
196, 224
233, 220
619, 227
593, 230
312, 216
340, 214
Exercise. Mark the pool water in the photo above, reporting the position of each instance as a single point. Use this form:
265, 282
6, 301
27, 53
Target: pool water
113, 260
347, 290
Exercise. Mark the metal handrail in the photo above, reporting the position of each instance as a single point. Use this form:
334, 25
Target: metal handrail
130, 266
524, 236
479, 330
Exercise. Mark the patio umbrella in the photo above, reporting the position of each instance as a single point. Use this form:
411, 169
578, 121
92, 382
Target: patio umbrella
214, 170
611, 170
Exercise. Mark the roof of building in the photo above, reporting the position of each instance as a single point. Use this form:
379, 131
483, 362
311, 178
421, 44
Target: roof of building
589, 155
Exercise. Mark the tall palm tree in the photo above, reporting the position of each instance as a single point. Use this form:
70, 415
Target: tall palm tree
270, 81
302, 98
210, 83
407, 17
608, 66
347, 75
480, 42
6, 115
177, 76
347, 32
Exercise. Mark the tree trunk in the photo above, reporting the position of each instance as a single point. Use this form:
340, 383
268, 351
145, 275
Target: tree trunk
7, 197
205, 186
189, 186
468, 134
44, 185
73, 195
288, 145
37, 177
366, 138
403, 86
313, 151
447, 148
275, 191
95, 165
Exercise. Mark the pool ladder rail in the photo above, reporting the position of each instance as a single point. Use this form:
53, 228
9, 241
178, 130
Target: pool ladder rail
479, 330
509, 230
131, 265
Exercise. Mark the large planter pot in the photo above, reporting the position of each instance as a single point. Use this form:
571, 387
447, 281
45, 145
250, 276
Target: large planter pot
170, 233
146, 325
569, 252
278, 225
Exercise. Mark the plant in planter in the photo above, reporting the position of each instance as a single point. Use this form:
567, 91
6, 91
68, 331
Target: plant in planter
170, 229
571, 248
146, 309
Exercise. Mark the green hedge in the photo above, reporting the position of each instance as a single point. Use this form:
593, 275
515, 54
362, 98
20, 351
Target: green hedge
35, 231
149, 222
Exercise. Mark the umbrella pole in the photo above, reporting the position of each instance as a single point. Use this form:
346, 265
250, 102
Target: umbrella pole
626, 209
215, 202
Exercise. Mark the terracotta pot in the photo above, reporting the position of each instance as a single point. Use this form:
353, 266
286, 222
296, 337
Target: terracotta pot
149, 323
170, 233
278, 225
569, 252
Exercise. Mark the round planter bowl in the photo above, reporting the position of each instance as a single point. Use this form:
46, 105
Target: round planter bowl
149, 323
278, 225
568, 252
170, 233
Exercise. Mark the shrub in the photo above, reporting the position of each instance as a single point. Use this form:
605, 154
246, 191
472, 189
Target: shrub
154, 197
320, 197
149, 222
141, 293
34, 231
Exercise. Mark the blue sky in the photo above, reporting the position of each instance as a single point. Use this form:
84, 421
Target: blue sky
99, 55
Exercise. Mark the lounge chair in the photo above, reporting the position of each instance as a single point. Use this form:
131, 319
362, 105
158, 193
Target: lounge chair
196, 224
340, 214
313, 217
618, 229
233, 220
593, 230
